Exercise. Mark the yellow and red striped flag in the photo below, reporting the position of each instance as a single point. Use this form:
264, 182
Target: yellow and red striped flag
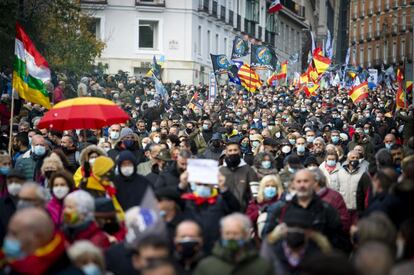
359, 92
310, 89
249, 78
321, 62
280, 75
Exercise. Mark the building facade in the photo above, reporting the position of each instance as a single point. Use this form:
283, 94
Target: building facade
185, 32
381, 32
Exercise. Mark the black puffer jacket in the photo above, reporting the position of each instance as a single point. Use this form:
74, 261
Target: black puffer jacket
170, 177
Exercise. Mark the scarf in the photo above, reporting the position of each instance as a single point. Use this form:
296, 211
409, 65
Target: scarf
39, 262
200, 200
110, 191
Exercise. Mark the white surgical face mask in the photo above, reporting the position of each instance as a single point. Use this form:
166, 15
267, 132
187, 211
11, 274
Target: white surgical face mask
127, 170
92, 161
157, 139
114, 135
60, 191
14, 188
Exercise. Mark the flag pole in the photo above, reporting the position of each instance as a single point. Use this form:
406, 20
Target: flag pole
11, 123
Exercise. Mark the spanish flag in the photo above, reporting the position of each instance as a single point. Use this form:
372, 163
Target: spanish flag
359, 92
400, 100
408, 87
280, 75
249, 78
310, 89
321, 62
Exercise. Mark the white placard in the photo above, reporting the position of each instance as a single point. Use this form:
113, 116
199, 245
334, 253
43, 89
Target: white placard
203, 171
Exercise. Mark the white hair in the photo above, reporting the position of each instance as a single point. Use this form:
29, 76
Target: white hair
243, 219
85, 203
81, 249
41, 192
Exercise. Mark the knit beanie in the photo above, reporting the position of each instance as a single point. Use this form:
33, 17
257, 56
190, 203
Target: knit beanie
102, 165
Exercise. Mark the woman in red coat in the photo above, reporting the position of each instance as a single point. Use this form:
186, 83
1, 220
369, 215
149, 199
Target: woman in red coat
270, 190
79, 222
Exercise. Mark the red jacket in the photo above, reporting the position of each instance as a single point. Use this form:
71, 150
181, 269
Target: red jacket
335, 199
91, 233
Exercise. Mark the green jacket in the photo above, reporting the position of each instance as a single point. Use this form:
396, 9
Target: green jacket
26, 164
221, 262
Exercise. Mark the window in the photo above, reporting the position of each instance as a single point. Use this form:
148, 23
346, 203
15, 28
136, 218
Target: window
377, 52
252, 10
355, 31
385, 52
208, 44
225, 45
402, 50
362, 30
287, 37
371, 6
370, 29
199, 41
361, 55
394, 50
369, 57
95, 27
404, 20
378, 29
217, 44
363, 7
355, 9
148, 34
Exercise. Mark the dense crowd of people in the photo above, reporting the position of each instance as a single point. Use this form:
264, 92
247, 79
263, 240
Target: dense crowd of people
306, 185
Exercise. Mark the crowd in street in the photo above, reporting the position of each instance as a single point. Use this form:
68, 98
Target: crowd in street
306, 185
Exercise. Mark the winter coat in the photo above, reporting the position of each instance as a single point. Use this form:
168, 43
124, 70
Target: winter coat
254, 209
331, 176
209, 214
7, 209
238, 181
212, 153
118, 259
221, 262
144, 168
366, 144
130, 190
88, 231
28, 164
353, 187
325, 219
55, 209
197, 137
408, 130
335, 199
168, 178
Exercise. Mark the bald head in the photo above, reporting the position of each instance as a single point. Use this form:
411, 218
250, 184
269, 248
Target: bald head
389, 139
189, 230
38, 140
32, 227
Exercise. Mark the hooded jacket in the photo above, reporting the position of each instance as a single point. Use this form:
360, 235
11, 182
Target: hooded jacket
129, 190
92, 183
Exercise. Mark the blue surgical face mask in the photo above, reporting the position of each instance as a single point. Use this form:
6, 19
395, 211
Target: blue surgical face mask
269, 192
205, 127
291, 170
335, 139
292, 141
203, 191
331, 163
310, 139
4, 170
266, 164
39, 150
388, 146
300, 148
91, 269
12, 248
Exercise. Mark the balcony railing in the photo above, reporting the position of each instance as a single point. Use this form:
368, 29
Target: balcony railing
223, 13
231, 18
214, 11
150, 3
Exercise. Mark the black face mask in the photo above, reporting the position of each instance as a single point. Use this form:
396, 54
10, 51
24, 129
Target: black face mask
229, 130
295, 239
243, 132
188, 248
232, 161
354, 163
111, 227
129, 144
188, 130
